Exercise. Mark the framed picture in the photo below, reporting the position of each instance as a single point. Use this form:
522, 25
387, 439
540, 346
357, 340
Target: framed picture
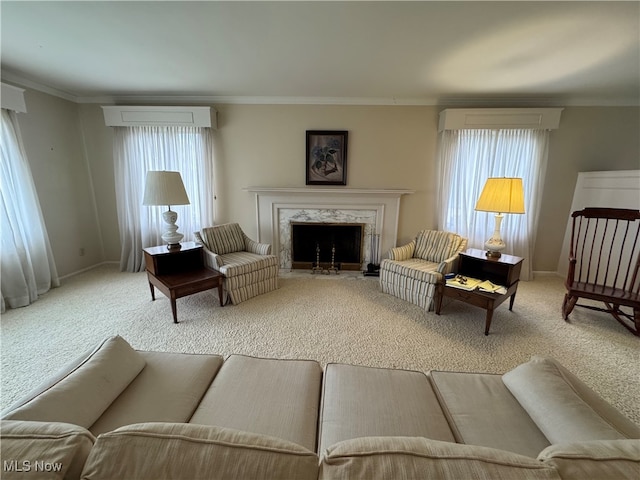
326, 157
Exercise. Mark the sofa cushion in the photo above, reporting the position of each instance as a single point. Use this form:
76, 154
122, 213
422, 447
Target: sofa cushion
158, 451
421, 458
482, 411
436, 246
168, 389
43, 450
563, 407
602, 459
84, 390
223, 239
241, 263
364, 401
273, 397
413, 269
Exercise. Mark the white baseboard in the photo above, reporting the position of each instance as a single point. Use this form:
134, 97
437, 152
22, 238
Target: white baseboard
545, 273
69, 275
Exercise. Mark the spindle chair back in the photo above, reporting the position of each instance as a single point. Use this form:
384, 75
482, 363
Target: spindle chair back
604, 258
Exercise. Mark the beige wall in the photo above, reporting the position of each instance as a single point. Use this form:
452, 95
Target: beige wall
263, 145
590, 139
99, 142
52, 135
389, 147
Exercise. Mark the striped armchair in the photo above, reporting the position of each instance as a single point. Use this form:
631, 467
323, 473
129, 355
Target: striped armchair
412, 271
247, 266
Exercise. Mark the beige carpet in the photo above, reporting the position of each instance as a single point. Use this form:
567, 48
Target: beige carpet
342, 318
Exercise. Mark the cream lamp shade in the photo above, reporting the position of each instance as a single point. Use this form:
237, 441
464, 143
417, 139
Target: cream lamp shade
166, 188
500, 195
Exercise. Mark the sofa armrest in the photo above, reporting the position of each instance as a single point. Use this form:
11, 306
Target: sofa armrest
84, 389
45, 450
449, 265
199, 239
257, 248
404, 252
437, 277
602, 459
564, 408
212, 260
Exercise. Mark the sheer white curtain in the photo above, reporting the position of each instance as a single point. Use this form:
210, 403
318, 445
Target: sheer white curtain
188, 150
27, 268
466, 159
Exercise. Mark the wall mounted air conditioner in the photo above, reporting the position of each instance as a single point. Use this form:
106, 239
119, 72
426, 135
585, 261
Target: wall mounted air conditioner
136, 116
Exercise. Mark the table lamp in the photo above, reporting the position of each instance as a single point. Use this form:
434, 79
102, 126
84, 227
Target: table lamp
500, 195
166, 188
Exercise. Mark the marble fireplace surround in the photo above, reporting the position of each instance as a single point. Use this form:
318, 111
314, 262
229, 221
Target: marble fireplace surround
277, 207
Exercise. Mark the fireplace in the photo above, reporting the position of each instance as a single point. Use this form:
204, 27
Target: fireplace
377, 209
327, 245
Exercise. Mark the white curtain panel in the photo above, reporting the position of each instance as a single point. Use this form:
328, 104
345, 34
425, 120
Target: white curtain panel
188, 150
466, 159
27, 268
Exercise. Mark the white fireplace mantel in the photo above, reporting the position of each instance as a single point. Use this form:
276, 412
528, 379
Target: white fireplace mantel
276, 206
329, 190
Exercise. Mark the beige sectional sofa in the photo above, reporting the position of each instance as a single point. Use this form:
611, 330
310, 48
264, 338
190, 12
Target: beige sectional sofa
118, 413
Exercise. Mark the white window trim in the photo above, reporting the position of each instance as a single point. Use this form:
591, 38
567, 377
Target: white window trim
500, 118
13, 98
144, 116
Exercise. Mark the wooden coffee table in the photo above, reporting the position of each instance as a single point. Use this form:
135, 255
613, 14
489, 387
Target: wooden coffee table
178, 273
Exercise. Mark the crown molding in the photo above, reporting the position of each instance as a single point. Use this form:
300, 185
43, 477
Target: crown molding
25, 82
443, 101
261, 100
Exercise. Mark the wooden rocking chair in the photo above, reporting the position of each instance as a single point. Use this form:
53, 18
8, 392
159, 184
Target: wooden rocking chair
603, 263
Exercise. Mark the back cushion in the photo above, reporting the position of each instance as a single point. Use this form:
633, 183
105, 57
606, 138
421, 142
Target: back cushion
223, 239
82, 393
272, 397
168, 389
436, 246
158, 451
360, 401
563, 407
503, 424
43, 450
603, 459
394, 458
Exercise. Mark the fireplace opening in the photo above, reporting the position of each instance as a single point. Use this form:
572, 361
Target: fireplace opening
310, 241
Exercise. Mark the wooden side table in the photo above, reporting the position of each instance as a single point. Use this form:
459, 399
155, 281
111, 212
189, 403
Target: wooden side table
178, 273
474, 263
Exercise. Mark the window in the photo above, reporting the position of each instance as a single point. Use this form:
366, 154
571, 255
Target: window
467, 157
188, 150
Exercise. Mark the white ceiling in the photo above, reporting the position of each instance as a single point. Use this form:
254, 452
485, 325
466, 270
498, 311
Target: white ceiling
580, 53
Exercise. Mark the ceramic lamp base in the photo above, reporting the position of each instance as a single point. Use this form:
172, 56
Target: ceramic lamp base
171, 236
495, 244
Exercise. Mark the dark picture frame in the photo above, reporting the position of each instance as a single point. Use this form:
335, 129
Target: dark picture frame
326, 157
